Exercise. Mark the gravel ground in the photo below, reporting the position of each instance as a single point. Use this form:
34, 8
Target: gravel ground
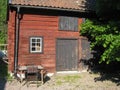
81, 81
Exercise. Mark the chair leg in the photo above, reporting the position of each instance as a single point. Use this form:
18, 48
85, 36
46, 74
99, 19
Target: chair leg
27, 84
42, 77
37, 79
37, 83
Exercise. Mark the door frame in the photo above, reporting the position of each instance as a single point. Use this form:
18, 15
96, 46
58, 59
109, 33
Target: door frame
77, 52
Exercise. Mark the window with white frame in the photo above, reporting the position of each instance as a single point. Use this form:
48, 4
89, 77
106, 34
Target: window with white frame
36, 44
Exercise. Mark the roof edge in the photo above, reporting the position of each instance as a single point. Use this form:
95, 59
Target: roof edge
53, 8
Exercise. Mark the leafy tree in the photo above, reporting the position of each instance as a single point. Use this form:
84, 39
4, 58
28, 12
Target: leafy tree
105, 34
3, 10
3, 33
3, 13
105, 37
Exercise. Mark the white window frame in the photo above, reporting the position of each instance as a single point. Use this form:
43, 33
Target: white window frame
38, 46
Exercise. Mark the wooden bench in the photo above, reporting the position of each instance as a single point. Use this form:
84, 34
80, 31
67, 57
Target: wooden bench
31, 69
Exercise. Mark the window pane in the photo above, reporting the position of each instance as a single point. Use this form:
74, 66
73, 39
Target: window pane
33, 44
33, 40
38, 44
37, 48
33, 48
38, 40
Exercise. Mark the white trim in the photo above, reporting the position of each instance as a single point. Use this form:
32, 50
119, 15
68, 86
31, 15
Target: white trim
70, 72
41, 43
50, 74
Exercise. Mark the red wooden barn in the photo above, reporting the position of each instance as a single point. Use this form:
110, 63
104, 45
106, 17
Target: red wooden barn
46, 32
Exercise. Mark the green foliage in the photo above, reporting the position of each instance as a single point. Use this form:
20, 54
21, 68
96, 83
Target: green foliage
105, 36
3, 13
3, 10
3, 33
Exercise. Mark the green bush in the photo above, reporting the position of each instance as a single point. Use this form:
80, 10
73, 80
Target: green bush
104, 36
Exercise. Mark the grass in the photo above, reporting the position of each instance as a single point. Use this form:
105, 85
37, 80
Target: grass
67, 79
59, 82
9, 77
71, 78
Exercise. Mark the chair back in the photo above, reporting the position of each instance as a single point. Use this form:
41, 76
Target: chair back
32, 69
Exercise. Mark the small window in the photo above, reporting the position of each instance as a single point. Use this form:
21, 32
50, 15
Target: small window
36, 44
68, 23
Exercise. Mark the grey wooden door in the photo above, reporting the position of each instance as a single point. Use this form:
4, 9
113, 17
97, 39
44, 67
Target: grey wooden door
67, 54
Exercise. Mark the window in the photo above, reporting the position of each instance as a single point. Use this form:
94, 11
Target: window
36, 44
68, 23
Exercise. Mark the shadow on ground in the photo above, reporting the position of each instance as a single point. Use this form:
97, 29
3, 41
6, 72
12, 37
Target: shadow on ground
109, 72
46, 79
114, 77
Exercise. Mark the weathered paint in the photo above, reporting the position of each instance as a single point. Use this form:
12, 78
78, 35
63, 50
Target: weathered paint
36, 25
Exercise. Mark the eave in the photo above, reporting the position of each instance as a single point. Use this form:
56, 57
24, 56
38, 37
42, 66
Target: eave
53, 8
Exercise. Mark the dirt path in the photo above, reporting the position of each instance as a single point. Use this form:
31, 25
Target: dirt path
81, 81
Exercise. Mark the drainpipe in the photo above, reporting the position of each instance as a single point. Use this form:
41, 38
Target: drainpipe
16, 40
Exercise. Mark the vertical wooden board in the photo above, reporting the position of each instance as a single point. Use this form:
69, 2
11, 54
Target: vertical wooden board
67, 55
68, 23
86, 53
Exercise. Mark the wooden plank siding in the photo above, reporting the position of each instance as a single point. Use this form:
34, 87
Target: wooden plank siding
11, 40
36, 25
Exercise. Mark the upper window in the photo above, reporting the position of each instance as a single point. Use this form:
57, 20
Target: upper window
36, 44
68, 23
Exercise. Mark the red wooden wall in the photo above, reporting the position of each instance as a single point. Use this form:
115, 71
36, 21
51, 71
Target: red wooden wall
36, 25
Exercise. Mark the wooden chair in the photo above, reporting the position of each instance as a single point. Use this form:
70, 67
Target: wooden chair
32, 74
